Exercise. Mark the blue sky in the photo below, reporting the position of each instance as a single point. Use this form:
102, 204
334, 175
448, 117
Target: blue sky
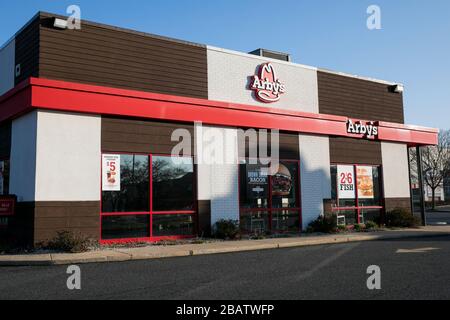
413, 46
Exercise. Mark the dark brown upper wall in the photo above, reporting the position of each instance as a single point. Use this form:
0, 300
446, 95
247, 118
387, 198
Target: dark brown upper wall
141, 136
355, 151
358, 98
27, 50
113, 57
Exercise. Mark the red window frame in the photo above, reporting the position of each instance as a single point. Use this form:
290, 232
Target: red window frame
357, 208
151, 212
269, 208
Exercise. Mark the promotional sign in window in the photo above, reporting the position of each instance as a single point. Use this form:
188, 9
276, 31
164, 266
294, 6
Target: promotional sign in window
346, 182
257, 180
7, 205
2, 170
282, 181
365, 183
111, 172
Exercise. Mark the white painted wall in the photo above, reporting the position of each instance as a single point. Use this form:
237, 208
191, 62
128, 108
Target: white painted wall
7, 67
229, 75
68, 157
315, 176
216, 181
23, 157
395, 170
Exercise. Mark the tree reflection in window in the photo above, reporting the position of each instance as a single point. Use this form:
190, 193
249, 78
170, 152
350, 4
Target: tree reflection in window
134, 186
173, 184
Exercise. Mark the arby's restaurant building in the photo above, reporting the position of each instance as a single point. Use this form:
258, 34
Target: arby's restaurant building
89, 121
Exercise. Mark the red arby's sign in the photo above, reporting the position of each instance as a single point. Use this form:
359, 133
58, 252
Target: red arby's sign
266, 85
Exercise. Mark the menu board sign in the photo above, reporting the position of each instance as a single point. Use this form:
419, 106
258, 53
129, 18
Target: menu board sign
346, 182
365, 182
111, 172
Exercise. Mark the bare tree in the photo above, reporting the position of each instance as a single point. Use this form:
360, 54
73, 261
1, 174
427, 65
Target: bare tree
436, 163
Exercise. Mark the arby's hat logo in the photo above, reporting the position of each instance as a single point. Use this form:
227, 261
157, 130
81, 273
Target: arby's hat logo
268, 88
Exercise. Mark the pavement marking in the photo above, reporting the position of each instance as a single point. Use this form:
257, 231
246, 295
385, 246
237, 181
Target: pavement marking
327, 261
417, 250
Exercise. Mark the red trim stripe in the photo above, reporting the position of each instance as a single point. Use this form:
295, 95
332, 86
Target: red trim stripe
37, 93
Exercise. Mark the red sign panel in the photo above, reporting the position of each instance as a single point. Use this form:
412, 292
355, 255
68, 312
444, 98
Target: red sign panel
7, 206
266, 85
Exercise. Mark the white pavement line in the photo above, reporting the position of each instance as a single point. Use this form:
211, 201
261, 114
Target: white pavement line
418, 250
327, 261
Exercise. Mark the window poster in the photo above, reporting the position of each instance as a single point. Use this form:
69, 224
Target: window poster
346, 182
111, 172
257, 180
2, 172
365, 182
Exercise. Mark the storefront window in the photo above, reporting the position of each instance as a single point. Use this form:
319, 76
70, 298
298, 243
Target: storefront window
125, 226
255, 221
356, 193
128, 210
272, 192
285, 220
133, 195
173, 184
173, 224
4, 177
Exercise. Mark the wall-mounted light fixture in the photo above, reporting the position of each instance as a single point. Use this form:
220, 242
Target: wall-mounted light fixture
60, 23
397, 88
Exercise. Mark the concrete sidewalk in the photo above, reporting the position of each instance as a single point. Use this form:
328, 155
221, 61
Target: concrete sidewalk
160, 251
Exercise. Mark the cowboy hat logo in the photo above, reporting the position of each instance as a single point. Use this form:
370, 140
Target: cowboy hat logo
266, 85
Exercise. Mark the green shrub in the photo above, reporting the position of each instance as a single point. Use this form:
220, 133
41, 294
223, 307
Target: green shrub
358, 227
226, 229
69, 242
370, 225
325, 224
401, 218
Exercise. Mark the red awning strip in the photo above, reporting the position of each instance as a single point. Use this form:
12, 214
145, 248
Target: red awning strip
37, 93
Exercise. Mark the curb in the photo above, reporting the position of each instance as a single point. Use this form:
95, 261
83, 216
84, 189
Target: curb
122, 256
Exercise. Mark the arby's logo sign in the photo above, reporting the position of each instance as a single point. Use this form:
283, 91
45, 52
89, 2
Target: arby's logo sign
368, 129
268, 88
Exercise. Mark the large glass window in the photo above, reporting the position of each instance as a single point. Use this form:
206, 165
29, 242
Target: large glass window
137, 206
269, 197
173, 184
133, 195
170, 224
125, 226
356, 193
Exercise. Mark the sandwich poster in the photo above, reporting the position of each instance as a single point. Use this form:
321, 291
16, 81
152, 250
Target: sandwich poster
365, 183
346, 182
111, 172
